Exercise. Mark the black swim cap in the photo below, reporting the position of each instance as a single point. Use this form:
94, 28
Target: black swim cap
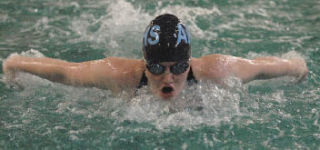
166, 40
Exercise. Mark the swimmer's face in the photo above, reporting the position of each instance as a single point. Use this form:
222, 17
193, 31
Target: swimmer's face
167, 83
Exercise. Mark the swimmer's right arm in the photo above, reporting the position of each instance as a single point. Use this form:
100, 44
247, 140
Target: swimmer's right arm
51, 69
110, 73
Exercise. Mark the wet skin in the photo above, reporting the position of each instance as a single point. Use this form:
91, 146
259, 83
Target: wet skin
167, 85
122, 74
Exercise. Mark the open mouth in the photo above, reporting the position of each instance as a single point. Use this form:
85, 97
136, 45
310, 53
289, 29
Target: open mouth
167, 89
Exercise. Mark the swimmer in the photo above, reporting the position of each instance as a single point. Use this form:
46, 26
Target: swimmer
167, 66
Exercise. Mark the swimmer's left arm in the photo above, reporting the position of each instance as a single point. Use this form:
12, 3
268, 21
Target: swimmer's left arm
218, 67
267, 68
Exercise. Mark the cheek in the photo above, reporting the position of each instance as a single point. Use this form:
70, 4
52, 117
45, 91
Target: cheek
154, 83
179, 80
153, 80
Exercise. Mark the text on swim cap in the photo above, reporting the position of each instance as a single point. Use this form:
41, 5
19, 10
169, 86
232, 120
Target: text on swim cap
154, 34
151, 36
182, 35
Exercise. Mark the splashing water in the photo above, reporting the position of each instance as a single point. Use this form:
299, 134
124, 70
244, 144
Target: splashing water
273, 114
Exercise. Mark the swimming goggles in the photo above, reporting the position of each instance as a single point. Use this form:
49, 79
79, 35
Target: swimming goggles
176, 69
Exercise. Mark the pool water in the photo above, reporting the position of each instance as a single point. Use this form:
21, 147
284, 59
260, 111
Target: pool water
274, 114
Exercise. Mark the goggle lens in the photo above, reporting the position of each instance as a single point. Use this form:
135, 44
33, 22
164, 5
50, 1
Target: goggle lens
156, 69
179, 68
176, 69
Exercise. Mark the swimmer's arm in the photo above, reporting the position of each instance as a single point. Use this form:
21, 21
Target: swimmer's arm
51, 69
267, 68
109, 73
219, 67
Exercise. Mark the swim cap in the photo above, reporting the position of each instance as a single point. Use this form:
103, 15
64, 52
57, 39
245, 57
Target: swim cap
166, 40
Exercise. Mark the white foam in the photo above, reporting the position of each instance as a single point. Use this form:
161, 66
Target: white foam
122, 28
4, 18
121, 31
205, 103
189, 15
292, 54
217, 104
288, 55
32, 53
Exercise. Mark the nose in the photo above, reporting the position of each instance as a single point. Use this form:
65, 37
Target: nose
168, 77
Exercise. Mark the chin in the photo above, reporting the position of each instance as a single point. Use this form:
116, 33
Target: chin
167, 96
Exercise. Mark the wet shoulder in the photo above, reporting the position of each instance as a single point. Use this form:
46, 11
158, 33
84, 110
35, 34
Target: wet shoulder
124, 62
209, 67
127, 72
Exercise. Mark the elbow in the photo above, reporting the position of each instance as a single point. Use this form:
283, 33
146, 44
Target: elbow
261, 76
57, 74
57, 77
248, 77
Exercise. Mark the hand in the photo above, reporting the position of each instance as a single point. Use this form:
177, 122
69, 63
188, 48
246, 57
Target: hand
299, 68
8, 67
9, 70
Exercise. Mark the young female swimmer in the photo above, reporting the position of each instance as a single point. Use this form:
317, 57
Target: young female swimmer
167, 66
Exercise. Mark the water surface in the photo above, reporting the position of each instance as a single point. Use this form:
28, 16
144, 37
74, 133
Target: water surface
273, 114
